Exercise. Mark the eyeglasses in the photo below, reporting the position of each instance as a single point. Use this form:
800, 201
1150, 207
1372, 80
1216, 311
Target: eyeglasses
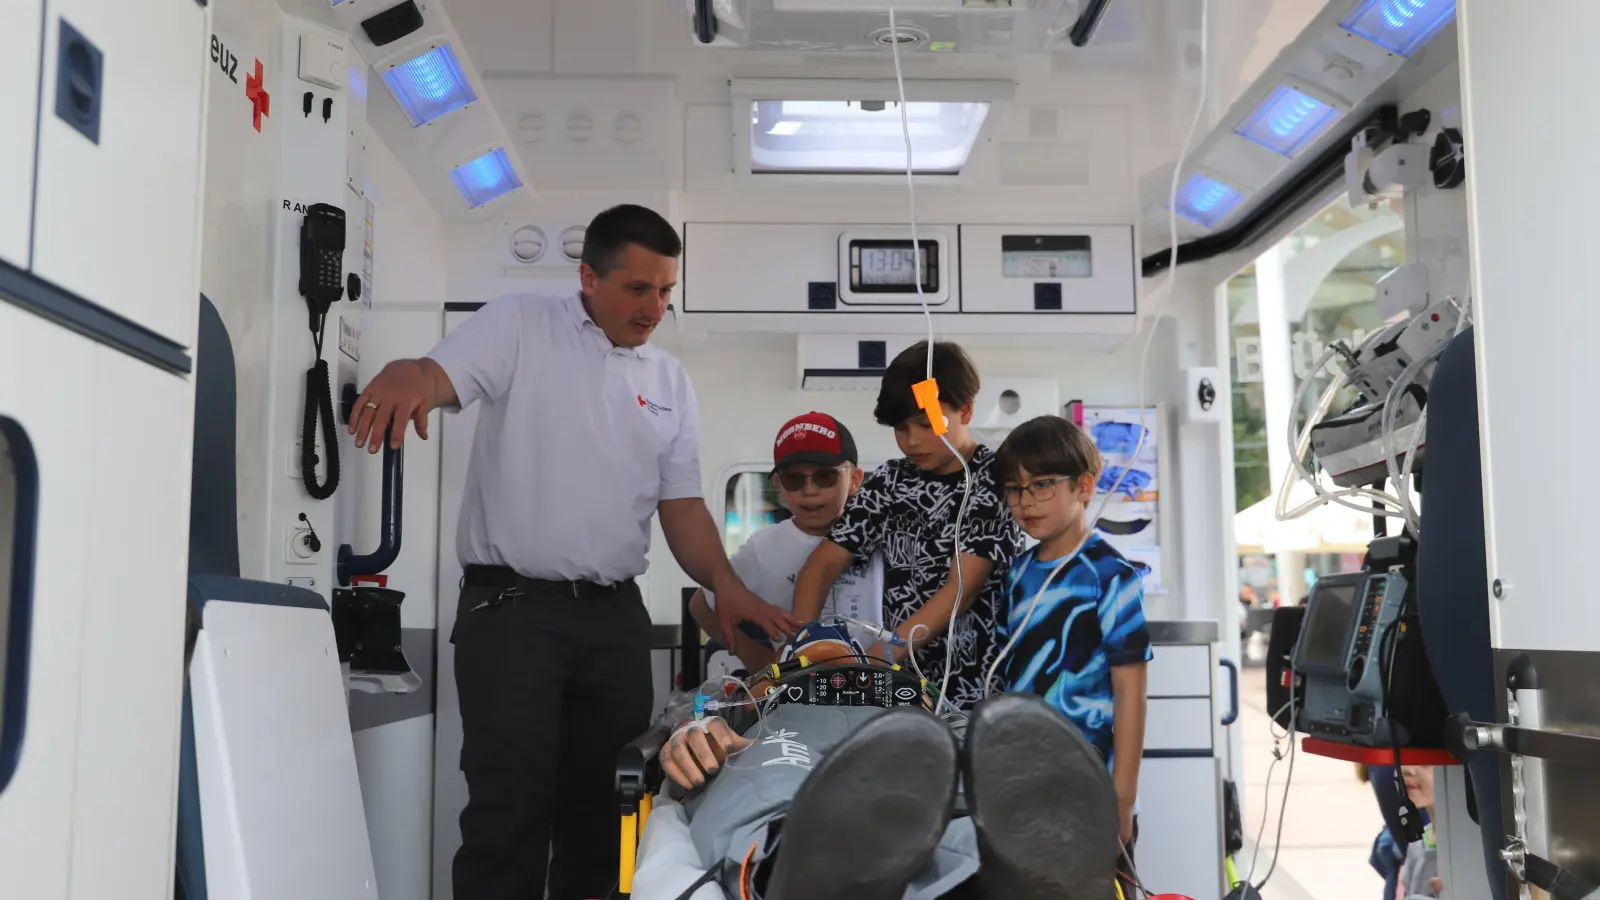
1040, 490
822, 478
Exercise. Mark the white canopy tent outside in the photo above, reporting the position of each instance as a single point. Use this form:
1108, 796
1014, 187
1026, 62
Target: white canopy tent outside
1329, 528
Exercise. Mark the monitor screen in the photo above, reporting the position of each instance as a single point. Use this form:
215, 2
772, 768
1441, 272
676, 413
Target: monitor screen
1323, 640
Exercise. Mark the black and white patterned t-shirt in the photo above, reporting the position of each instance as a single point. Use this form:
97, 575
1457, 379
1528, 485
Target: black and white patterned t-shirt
910, 517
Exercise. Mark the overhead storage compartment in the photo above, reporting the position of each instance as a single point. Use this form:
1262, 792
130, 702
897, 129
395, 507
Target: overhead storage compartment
1075, 282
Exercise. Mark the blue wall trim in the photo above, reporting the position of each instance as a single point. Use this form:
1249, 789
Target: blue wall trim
14, 692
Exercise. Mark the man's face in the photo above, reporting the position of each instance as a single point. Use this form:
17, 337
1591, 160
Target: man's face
815, 494
920, 445
629, 301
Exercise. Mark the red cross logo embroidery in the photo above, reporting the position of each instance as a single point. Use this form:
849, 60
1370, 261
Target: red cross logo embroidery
255, 91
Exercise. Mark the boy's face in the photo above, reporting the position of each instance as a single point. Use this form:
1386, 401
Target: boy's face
1046, 505
920, 445
1419, 784
814, 494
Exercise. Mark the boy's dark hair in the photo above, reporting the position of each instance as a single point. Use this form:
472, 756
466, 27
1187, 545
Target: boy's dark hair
1047, 445
957, 377
613, 230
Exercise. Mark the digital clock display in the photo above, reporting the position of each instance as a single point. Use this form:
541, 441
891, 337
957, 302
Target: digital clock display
889, 265
893, 267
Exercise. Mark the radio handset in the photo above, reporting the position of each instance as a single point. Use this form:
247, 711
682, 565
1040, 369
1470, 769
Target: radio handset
322, 239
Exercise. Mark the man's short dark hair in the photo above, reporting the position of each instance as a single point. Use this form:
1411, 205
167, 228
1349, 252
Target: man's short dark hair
613, 230
957, 377
1047, 445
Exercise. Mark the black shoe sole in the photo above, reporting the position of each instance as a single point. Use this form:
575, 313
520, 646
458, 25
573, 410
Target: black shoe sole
1042, 802
871, 814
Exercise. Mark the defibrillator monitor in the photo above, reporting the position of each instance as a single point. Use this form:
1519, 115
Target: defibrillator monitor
1324, 645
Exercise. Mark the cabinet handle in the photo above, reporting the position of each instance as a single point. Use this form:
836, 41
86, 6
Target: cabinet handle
1233, 690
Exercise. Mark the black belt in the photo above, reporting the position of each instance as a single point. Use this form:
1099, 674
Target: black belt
508, 579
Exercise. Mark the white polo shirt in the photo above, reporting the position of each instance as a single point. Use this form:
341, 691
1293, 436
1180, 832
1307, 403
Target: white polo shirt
576, 444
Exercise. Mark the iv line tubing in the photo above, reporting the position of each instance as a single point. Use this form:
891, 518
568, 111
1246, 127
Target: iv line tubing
916, 265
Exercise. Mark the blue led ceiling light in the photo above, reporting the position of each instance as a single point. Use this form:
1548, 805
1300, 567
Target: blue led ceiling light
485, 178
430, 85
1287, 121
1206, 201
1399, 26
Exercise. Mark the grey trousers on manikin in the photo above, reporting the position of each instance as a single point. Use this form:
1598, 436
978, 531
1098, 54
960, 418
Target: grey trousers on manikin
737, 809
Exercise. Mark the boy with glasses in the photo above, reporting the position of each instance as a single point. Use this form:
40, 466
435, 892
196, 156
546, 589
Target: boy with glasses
1075, 621
816, 469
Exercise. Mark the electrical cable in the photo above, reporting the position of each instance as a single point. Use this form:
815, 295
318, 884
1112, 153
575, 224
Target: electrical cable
1157, 296
1283, 805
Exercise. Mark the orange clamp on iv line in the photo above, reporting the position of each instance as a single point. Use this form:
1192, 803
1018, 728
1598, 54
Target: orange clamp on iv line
927, 396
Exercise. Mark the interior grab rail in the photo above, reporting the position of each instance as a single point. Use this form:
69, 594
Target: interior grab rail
348, 563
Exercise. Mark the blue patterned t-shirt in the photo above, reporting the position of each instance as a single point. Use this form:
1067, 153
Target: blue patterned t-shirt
1091, 619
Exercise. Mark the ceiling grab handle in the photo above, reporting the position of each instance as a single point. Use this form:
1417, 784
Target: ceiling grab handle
348, 563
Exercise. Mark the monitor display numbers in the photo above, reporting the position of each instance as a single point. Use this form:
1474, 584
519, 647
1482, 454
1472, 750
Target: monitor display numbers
889, 265
1046, 257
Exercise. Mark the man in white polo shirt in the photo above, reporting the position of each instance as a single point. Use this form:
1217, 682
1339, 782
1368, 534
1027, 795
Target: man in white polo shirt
586, 432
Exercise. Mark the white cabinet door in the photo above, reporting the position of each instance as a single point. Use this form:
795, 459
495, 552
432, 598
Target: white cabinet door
19, 102
137, 569
47, 390
1180, 827
1047, 269
116, 211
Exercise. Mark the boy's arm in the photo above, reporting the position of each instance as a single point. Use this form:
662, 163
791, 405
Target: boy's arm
822, 568
936, 613
1128, 712
1126, 642
856, 534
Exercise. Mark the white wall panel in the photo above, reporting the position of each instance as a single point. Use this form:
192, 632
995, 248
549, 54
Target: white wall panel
116, 221
37, 809
133, 629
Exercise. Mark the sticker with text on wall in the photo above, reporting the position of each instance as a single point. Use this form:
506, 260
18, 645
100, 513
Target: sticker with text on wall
350, 339
366, 258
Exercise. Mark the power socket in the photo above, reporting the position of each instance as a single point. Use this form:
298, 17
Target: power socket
297, 547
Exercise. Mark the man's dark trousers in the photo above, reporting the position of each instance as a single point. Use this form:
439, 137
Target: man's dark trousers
554, 679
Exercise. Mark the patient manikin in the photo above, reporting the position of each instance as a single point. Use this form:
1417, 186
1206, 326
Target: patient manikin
863, 803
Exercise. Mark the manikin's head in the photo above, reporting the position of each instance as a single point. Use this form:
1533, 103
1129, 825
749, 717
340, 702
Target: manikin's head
630, 266
1047, 468
897, 405
816, 469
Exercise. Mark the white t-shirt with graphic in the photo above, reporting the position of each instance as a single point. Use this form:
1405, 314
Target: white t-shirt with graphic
772, 557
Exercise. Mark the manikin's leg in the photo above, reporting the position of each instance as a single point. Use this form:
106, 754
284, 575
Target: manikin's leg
1042, 801
870, 815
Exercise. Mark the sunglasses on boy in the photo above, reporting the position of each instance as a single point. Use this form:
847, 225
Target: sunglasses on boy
822, 478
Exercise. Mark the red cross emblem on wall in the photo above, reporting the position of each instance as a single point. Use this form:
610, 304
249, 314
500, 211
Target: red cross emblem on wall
255, 91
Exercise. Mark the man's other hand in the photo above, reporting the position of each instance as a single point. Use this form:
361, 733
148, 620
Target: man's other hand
695, 754
737, 603
400, 392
